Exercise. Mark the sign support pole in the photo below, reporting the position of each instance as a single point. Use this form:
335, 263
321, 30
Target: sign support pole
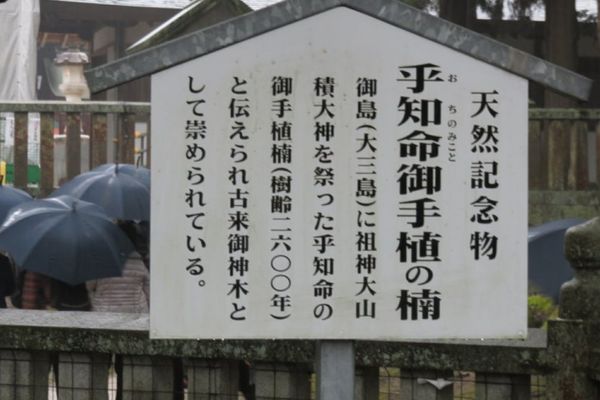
335, 370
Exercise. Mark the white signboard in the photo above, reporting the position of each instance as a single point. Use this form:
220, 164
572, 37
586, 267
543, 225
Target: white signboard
338, 178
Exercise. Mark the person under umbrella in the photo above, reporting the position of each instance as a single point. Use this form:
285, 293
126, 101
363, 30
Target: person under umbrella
129, 293
123, 196
65, 297
36, 292
67, 239
9, 198
39, 292
143, 245
7, 279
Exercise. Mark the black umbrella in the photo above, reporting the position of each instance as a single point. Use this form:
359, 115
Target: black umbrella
10, 197
122, 195
67, 239
140, 173
548, 267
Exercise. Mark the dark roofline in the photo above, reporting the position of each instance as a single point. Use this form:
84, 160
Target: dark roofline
178, 23
394, 12
137, 4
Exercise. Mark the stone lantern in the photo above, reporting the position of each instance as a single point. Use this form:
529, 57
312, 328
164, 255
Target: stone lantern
74, 86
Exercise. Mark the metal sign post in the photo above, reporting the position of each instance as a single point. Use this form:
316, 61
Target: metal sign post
335, 370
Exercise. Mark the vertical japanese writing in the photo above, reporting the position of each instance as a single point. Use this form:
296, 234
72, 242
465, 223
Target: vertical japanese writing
366, 196
195, 153
281, 196
485, 143
419, 179
323, 240
238, 218
452, 127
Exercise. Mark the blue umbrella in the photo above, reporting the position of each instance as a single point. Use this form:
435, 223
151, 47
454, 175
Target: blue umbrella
10, 197
122, 195
67, 239
140, 173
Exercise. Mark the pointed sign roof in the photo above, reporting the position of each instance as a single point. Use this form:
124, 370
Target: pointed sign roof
197, 15
394, 12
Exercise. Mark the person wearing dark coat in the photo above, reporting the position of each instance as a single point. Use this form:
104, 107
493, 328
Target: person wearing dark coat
7, 279
67, 297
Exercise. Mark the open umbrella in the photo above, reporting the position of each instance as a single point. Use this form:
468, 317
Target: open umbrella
67, 239
140, 173
548, 266
10, 197
122, 195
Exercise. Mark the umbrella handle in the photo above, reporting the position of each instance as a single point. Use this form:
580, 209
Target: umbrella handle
117, 153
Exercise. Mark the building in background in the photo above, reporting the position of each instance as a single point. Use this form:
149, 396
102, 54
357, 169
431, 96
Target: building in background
19, 22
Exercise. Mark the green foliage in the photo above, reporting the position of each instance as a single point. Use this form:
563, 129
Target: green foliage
523, 9
586, 16
517, 9
540, 309
493, 8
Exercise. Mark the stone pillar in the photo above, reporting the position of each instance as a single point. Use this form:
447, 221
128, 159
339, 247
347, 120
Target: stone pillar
502, 387
24, 375
83, 376
281, 381
573, 337
426, 385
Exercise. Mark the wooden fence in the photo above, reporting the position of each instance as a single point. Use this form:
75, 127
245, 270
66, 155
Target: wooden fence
74, 120
563, 143
564, 147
